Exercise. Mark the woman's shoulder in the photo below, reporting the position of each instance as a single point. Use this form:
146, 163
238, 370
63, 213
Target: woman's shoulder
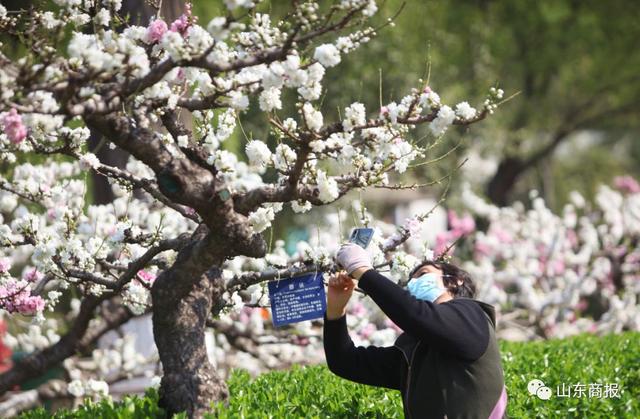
481, 308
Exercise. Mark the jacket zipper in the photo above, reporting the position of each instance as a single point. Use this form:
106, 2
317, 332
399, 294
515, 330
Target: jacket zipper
413, 354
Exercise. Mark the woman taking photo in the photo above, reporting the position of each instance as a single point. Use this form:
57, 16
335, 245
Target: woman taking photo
446, 364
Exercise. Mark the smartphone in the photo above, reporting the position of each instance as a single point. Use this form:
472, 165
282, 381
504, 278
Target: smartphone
361, 236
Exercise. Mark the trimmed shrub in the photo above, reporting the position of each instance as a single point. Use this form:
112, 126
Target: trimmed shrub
314, 392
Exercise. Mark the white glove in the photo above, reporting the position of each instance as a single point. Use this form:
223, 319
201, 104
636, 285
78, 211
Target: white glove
351, 257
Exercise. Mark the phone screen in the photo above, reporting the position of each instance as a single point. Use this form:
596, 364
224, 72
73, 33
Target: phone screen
361, 236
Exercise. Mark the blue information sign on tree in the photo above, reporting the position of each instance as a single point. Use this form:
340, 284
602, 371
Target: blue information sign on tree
297, 299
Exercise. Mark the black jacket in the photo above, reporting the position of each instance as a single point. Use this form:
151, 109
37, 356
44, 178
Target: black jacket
445, 364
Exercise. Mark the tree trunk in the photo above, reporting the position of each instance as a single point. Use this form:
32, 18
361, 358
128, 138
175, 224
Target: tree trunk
500, 186
181, 309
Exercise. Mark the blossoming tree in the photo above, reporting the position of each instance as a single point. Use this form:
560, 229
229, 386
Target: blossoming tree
559, 274
186, 242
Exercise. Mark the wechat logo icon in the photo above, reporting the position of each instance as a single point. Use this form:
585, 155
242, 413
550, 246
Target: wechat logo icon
537, 387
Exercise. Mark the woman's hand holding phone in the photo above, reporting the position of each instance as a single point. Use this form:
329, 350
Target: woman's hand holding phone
354, 259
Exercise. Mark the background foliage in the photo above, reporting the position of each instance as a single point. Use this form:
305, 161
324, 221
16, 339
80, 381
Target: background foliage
572, 64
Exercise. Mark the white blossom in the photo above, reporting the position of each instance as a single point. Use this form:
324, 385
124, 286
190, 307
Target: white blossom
327, 55
445, 117
290, 125
173, 43
370, 9
68, 3
76, 388
89, 161
234, 4
270, 99
258, 153
103, 17
216, 28
261, 219
238, 101
198, 39
465, 111
97, 388
300, 206
183, 140
49, 20
312, 117
327, 187
354, 116
284, 157
115, 4
311, 91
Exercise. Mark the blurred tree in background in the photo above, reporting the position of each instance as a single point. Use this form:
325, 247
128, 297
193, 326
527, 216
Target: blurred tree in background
574, 64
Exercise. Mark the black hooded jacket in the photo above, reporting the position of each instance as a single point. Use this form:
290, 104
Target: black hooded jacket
445, 364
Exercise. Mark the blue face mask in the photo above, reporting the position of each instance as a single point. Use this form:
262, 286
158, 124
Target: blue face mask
425, 287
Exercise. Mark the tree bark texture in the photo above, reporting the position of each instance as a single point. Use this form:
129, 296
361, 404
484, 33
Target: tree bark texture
182, 301
189, 383
139, 14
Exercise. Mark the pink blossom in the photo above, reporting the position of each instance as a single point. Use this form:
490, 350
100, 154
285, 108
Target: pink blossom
549, 329
367, 330
358, 309
443, 240
572, 237
558, 266
156, 30
626, 184
33, 275
620, 251
51, 213
189, 210
384, 111
412, 225
542, 252
245, 315
15, 297
427, 89
582, 304
389, 323
481, 249
181, 24
502, 235
30, 305
391, 240
13, 126
145, 276
300, 340
5, 265
461, 226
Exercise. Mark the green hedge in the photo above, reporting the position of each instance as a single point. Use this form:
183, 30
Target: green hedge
314, 392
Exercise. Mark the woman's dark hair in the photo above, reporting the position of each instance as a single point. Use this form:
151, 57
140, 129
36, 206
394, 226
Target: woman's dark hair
451, 276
